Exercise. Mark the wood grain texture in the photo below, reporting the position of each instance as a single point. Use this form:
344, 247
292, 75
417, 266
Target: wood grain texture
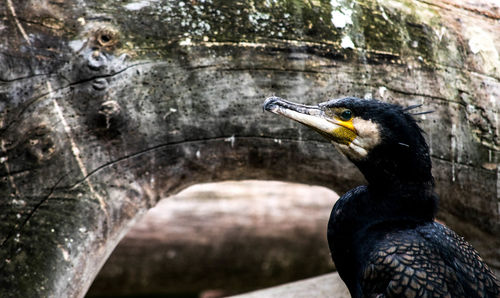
106, 107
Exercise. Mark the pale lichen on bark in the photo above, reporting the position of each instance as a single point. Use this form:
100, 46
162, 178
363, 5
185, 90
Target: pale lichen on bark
135, 100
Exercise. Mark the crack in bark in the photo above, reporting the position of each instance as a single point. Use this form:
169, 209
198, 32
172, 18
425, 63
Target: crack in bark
76, 151
30, 215
465, 70
329, 72
105, 75
288, 44
15, 173
295, 46
441, 66
364, 51
2, 80
425, 95
222, 138
160, 146
71, 84
256, 69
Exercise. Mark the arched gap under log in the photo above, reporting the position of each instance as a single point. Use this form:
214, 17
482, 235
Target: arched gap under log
216, 239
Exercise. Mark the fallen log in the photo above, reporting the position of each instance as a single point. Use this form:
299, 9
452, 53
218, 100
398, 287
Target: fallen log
108, 106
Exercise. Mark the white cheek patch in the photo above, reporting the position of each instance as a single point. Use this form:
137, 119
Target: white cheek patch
368, 133
368, 136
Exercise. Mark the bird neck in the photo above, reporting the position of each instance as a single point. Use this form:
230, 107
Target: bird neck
405, 201
395, 167
400, 182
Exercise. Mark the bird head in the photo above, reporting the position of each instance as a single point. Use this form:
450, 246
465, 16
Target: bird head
383, 140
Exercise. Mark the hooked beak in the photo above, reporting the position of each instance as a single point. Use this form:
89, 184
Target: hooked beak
311, 116
324, 118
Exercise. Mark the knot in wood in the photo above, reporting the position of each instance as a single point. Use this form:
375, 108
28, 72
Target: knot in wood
106, 38
109, 109
40, 145
100, 84
96, 61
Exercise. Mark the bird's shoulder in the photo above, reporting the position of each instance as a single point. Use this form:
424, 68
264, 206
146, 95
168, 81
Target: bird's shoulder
345, 212
355, 196
430, 260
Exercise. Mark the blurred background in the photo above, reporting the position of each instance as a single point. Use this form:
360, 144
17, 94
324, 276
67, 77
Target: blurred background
219, 239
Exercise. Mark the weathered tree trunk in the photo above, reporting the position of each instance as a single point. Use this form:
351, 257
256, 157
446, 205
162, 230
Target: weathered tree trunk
108, 106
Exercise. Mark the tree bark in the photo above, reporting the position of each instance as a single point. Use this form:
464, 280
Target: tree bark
108, 106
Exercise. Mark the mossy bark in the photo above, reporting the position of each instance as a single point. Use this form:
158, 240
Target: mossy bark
108, 106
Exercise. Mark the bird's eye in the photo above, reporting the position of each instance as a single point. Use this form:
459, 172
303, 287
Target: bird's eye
346, 115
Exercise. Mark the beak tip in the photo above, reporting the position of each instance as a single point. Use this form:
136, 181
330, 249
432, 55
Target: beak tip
270, 103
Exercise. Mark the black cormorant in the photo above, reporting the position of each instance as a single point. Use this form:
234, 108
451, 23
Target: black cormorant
382, 237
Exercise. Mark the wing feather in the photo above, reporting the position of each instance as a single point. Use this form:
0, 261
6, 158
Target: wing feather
430, 261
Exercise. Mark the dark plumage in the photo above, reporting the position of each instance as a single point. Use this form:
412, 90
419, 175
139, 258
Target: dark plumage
383, 237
